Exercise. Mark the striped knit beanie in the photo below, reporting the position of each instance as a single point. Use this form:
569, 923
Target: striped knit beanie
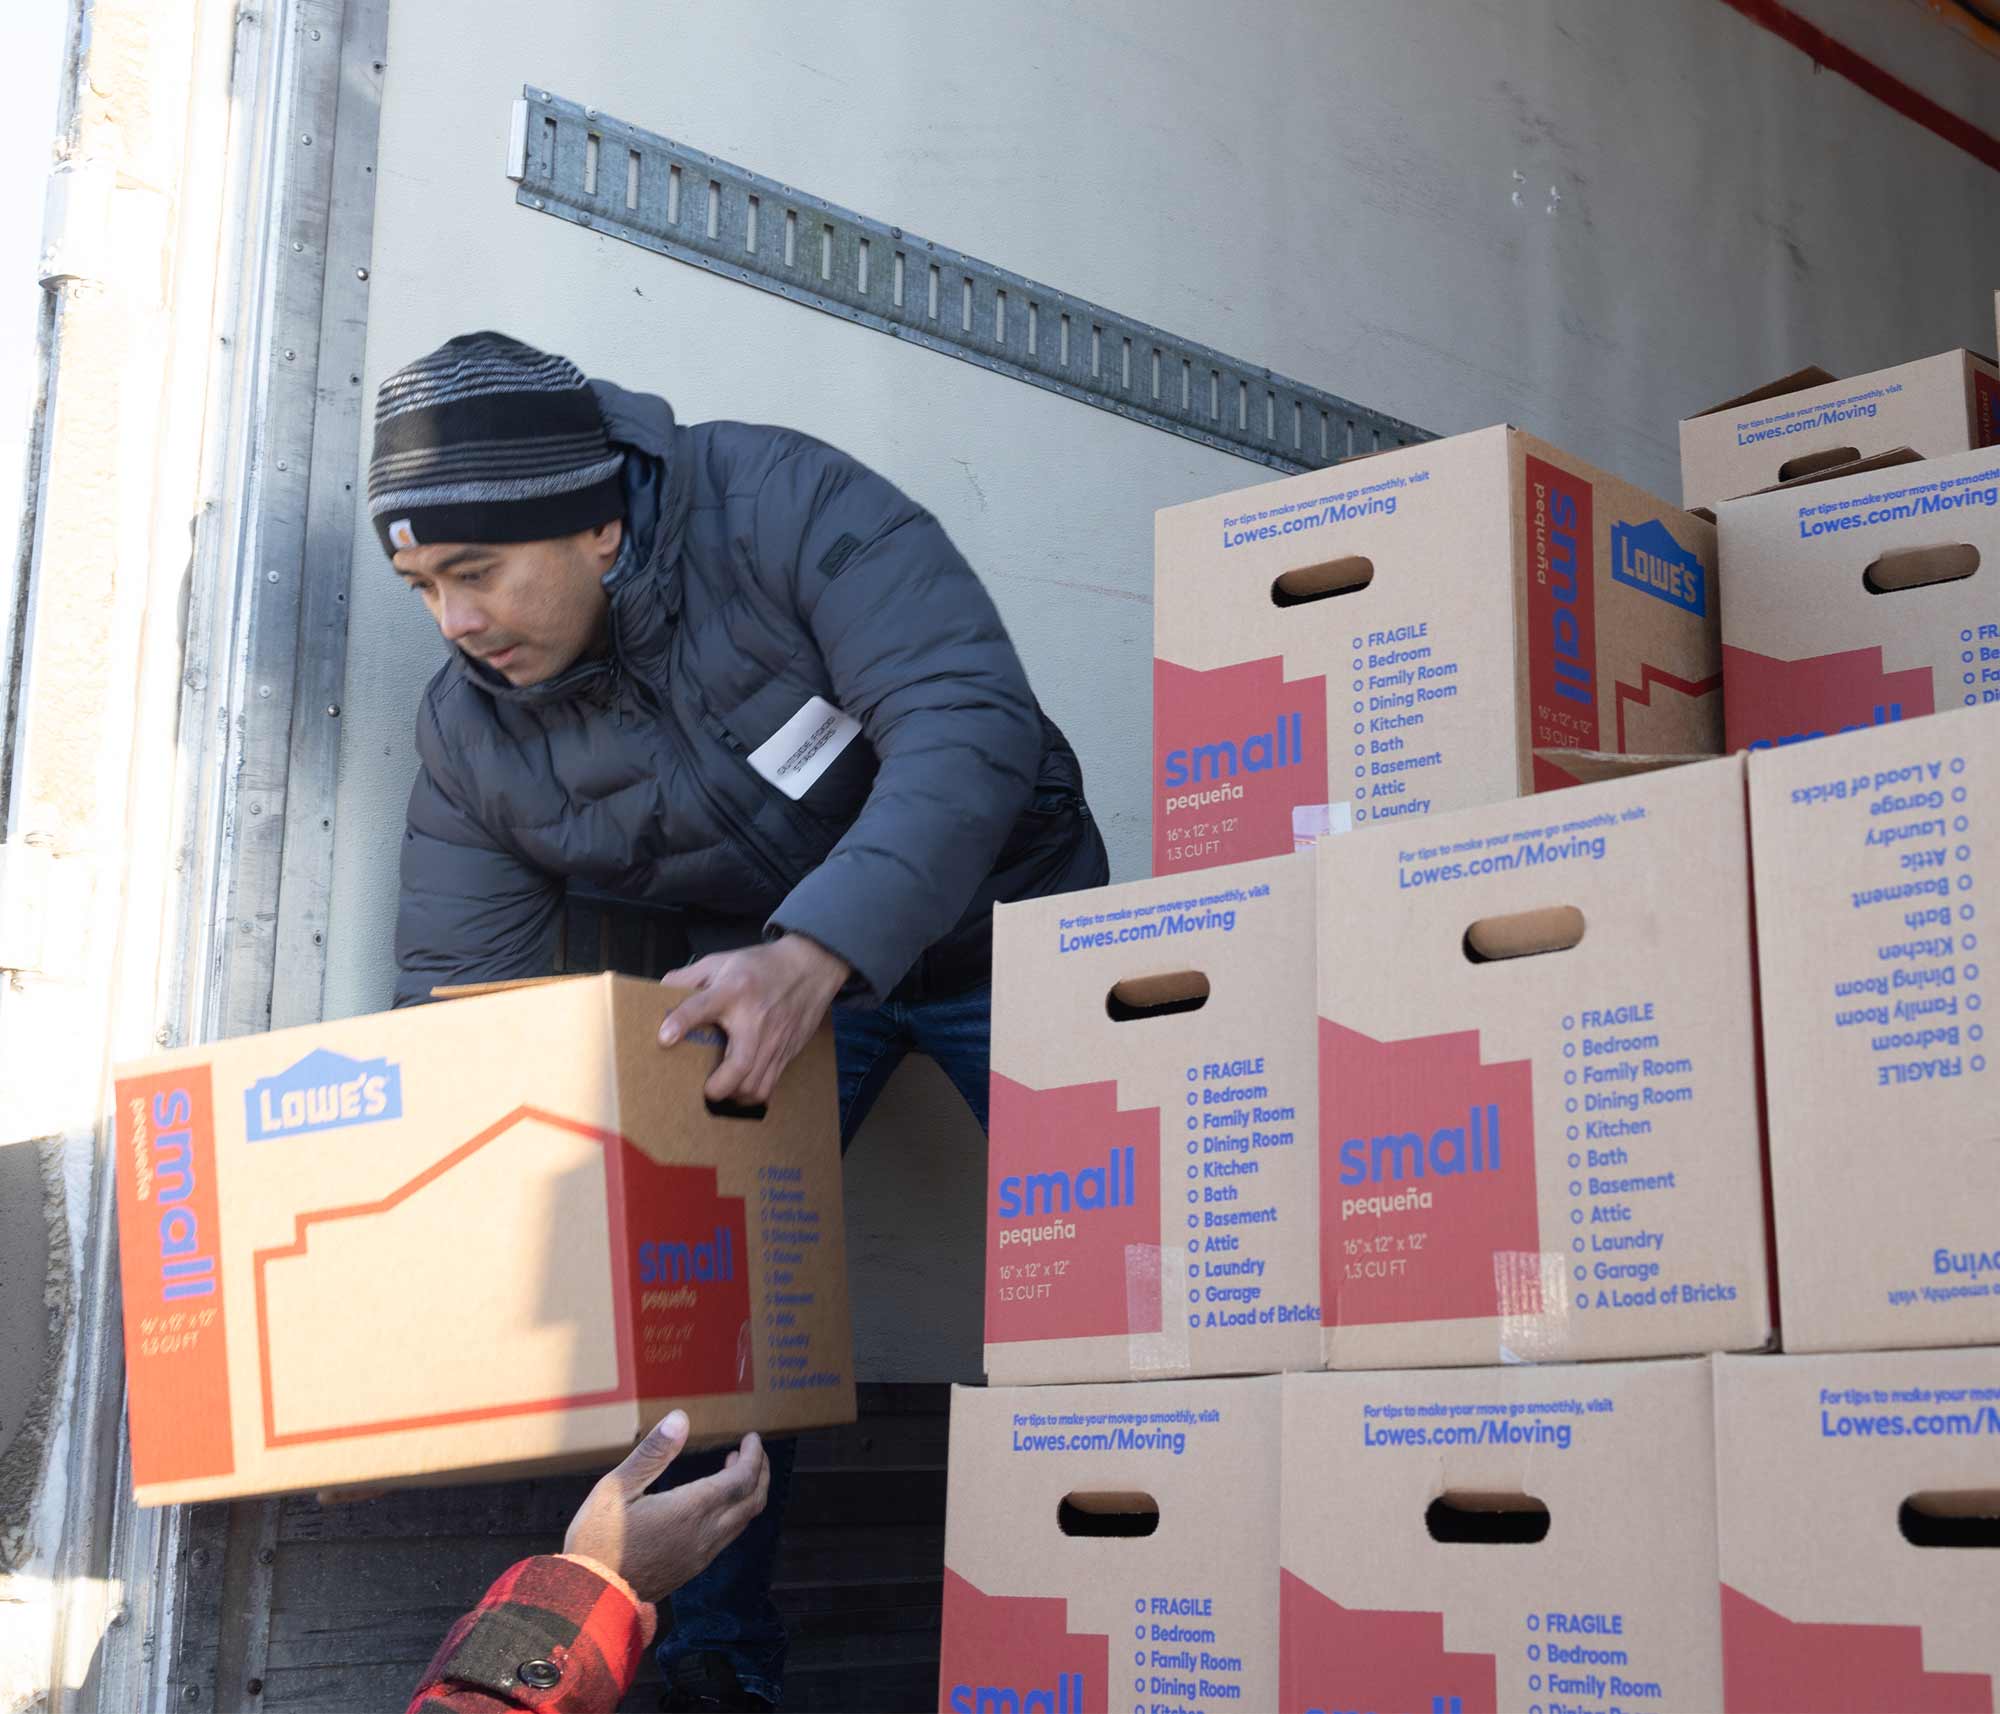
489, 440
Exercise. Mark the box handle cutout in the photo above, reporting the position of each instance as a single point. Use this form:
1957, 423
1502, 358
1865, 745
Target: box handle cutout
1807, 463
1917, 568
1318, 582
1107, 1514
709, 1036
1156, 996
1526, 934
1517, 1520
1964, 1519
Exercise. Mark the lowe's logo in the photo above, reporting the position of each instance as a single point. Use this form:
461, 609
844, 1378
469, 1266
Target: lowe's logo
323, 1092
1646, 557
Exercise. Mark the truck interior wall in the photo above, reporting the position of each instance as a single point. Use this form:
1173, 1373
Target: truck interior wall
1583, 219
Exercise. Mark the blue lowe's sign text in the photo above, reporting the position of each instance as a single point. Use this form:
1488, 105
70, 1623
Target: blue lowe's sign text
323, 1092
1646, 557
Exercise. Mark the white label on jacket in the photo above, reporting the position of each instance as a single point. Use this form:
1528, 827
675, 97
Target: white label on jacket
804, 747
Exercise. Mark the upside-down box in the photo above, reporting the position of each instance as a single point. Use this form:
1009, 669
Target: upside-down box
1858, 1501
1877, 858
502, 1233
1152, 1191
1400, 634
1861, 600
1809, 422
1514, 1540
1112, 1547
1539, 1134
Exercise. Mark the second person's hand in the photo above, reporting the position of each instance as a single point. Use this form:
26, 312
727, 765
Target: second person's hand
656, 1542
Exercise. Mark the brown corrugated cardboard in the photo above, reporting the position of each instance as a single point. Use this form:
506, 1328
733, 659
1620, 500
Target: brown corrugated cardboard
1861, 600
1590, 767
1382, 639
496, 1233
1515, 1540
1854, 467
1877, 858
1859, 1502
1053, 1605
1809, 421
1542, 1154
1152, 1188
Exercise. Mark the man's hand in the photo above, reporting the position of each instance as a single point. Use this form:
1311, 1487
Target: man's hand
656, 1542
767, 1001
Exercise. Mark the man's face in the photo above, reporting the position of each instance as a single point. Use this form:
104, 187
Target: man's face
528, 610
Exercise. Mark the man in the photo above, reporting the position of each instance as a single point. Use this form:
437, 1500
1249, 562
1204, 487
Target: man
728, 669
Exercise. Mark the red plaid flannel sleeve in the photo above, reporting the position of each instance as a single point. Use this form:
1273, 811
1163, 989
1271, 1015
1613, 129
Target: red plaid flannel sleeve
553, 1634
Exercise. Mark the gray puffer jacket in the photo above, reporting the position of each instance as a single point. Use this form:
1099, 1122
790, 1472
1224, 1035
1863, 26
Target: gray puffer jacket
761, 570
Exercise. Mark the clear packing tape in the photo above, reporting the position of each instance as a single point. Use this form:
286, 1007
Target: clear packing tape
1158, 1274
1533, 1290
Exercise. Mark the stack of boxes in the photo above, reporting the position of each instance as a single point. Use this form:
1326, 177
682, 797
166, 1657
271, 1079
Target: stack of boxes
1381, 1294
1851, 598
1845, 1470
1856, 599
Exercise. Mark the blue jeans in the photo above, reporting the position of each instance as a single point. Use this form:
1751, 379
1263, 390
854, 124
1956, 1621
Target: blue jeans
727, 1609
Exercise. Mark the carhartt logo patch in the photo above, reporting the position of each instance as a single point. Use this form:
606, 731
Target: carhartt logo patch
837, 556
401, 535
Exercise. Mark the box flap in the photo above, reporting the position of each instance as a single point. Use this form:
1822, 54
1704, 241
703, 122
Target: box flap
1587, 767
1833, 473
1796, 382
1856, 466
472, 990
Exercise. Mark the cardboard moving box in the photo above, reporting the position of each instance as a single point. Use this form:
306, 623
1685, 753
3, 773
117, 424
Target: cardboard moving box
1539, 1133
498, 1234
1399, 635
1503, 1539
1809, 422
1104, 1537
1859, 1508
1877, 858
1152, 1176
1861, 600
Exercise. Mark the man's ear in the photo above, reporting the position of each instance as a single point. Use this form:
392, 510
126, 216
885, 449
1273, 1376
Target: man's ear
604, 541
